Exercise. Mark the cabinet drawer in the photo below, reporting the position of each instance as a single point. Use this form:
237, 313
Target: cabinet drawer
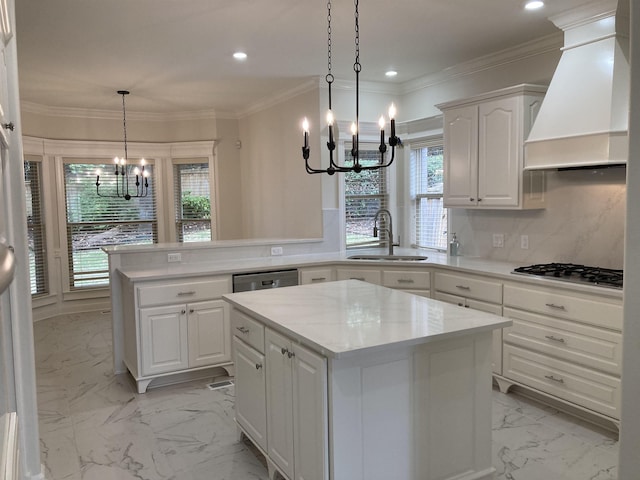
183, 292
366, 275
248, 329
546, 301
590, 346
469, 287
406, 279
316, 275
593, 390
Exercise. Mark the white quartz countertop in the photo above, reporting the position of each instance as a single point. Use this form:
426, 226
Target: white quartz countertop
482, 266
339, 319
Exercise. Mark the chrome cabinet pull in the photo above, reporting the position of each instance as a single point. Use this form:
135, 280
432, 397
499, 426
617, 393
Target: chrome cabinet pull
554, 379
554, 339
258, 366
319, 279
463, 287
557, 307
183, 294
243, 329
405, 280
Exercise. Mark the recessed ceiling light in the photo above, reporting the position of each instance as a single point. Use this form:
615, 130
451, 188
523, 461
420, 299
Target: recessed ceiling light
391, 73
534, 4
240, 56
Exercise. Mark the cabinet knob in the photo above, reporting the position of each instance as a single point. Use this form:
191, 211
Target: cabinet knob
8, 126
479, 199
191, 310
291, 354
284, 350
472, 199
183, 312
258, 366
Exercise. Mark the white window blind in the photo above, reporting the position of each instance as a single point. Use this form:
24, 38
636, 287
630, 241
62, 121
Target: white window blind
192, 199
94, 222
365, 193
430, 216
36, 228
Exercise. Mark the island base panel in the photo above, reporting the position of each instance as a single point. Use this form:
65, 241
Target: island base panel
421, 412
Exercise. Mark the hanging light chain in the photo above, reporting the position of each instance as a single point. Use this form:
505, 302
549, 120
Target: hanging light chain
356, 66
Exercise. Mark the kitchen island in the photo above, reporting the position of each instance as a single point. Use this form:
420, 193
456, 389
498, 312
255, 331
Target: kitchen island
348, 380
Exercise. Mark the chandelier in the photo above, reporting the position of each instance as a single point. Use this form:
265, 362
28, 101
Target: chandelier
124, 172
357, 167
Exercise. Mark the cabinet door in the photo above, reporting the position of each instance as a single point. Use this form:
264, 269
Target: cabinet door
279, 401
317, 275
251, 404
499, 153
310, 415
163, 339
209, 337
461, 157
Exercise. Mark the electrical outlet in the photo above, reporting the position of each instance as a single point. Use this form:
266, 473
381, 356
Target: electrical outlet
174, 257
524, 242
498, 240
276, 251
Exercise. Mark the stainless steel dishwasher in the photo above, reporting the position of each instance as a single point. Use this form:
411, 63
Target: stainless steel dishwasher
245, 282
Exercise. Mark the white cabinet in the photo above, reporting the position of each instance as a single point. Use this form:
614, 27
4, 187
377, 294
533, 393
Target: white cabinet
564, 344
484, 150
316, 275
475, 292
296, 408
178, 326
410, 280
281, 399
250, 384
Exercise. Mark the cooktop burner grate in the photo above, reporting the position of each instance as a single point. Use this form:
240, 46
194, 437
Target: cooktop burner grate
605, 277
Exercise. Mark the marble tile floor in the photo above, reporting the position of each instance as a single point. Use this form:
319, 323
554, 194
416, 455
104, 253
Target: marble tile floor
94, 426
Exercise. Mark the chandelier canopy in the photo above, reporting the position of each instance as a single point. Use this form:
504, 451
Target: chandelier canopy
125, 172
357, 167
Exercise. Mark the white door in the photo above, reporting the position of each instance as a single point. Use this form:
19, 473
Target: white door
163, 339
499, 152
278, 355
209, 336
310, 415
251, 404
461, 157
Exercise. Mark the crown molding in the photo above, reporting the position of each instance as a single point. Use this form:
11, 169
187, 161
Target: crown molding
541, 46
306, 86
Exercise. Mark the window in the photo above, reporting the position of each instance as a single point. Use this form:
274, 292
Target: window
94, 222
365, 193
35, 228
192, 201
430, 216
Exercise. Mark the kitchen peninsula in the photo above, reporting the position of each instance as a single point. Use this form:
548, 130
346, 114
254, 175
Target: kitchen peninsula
349, 380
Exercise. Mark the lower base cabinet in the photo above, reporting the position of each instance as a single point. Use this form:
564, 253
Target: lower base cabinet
296, 408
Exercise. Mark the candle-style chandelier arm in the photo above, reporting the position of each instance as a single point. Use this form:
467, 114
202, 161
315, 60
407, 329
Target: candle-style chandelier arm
357, 166
123, 170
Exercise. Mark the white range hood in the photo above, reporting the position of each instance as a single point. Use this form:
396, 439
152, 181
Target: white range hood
583, 119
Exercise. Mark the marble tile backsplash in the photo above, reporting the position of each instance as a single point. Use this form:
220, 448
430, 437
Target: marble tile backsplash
583, 223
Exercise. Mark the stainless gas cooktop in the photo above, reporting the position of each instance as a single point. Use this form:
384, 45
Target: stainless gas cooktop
604, 277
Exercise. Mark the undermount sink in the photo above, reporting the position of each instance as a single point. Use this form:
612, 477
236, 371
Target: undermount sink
404, 258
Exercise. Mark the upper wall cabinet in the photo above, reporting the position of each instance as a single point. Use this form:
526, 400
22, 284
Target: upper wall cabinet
484, 150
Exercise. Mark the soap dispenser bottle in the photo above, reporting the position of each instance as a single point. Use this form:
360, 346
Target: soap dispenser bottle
454, 246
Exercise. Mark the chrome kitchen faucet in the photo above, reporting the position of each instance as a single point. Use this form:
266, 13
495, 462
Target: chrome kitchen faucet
388, 230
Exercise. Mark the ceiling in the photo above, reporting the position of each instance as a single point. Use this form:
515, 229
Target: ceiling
176, 55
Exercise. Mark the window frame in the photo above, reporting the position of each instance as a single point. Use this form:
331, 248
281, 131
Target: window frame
66, 246
172, 210
418, 144
41, 266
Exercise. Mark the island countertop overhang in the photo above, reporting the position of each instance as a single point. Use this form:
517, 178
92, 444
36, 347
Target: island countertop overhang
351, 317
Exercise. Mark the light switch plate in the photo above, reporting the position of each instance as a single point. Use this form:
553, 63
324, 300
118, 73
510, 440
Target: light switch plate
524, 242
498, 240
